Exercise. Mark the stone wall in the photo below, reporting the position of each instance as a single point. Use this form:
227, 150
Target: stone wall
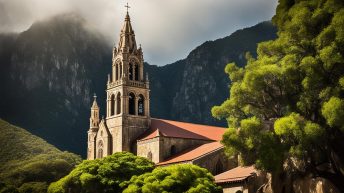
150, 145
180, 145
160, 147
209, 161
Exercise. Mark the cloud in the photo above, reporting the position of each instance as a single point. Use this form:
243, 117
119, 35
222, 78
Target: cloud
167, 29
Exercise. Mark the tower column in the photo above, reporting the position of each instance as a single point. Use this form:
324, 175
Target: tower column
108, 107
147, 101
115, 105
125, 103
136, 105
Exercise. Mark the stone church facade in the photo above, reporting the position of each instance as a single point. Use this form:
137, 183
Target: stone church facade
127, 125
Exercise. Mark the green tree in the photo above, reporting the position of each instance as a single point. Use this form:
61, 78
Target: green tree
288, 102
102, 175
176, 178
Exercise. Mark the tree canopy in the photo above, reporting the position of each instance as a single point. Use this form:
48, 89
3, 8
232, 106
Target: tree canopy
102, 175
288, 103
186, 178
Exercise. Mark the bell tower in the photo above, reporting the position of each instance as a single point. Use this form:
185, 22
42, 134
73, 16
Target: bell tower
127, 115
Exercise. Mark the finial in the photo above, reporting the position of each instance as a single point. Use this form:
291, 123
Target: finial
127, 6
94, 96
140, 45
108, 77
102, 117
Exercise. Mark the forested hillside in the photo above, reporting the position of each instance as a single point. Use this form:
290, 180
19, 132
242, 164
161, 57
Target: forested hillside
28, 162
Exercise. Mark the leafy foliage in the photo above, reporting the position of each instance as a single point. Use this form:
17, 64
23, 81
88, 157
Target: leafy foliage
288, 102
176, 178
28, 163
102, 175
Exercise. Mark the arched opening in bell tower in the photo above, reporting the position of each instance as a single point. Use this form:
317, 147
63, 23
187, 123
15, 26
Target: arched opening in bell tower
137, 68
112, 105
120, 70
141, 105
131, 71
118, 100
116, 71
131, 104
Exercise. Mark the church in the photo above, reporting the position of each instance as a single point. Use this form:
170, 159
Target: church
127, 125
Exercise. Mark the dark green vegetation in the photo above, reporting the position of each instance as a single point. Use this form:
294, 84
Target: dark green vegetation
48, 75
102, 175
186, 178
289, 101
125, 172
28, 163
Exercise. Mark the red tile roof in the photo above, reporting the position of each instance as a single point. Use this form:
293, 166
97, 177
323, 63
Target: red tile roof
235, 175
193, 154
167, 128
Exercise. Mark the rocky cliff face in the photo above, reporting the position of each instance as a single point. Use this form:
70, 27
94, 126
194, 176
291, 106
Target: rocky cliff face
49, 73
200, 83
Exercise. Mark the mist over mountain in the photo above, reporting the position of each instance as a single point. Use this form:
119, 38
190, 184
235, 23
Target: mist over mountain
49, 73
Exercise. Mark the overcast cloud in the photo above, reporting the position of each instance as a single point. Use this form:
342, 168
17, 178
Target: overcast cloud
167, 29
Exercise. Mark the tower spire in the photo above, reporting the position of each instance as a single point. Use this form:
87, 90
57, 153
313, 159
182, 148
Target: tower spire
127, 41
95, 105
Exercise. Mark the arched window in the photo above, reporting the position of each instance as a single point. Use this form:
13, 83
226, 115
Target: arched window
239, 191
112, 105
137, 68
118, 100
120, 70
150, 156
131, 70
141, 105
100, 149
116, 71
100, 153
218, 167
173, 150
131, 104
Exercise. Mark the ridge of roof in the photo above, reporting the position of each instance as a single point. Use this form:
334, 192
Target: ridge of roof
189, 123
176, 129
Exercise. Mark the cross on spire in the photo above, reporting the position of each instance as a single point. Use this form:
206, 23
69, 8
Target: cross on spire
127, 6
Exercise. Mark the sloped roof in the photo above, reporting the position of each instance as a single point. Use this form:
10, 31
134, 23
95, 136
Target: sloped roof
168, 128
237, 174
193, 154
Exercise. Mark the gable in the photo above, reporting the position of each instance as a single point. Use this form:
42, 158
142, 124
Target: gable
103, 131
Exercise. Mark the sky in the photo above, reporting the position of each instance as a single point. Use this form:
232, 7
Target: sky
167, 29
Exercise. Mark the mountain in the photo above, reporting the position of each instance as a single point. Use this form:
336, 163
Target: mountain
27, 161
187, 89
50, 72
